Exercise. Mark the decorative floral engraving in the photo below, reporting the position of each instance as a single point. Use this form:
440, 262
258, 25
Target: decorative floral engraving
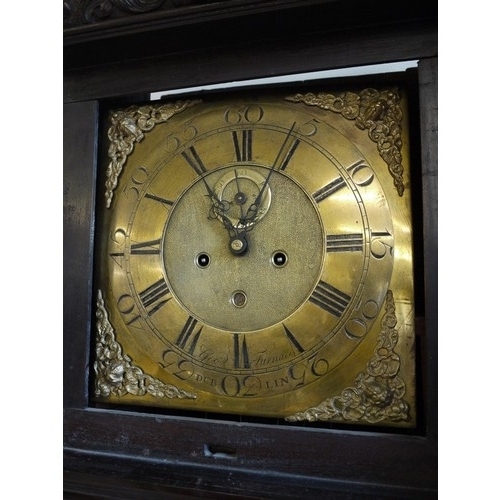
115, 372
378, 112
127, 128
378, 392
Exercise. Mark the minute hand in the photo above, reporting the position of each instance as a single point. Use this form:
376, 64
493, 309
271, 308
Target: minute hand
238, 243
253, 209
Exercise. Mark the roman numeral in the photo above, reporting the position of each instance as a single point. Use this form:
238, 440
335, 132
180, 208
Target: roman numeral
292, 339
194, 161
188, 336
335, 185
286, 150
328, 190
159, 199
289, 154
241, 357
330, 299
344, 242
242, 141
146, 248
152, 297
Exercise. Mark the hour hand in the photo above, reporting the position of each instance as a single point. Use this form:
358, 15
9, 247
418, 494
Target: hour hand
238, 243
253, 209
218, 208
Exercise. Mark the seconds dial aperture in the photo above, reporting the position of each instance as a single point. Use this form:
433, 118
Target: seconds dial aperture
239, 189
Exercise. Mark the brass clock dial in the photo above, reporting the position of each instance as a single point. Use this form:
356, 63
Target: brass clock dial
249, 250
235, 291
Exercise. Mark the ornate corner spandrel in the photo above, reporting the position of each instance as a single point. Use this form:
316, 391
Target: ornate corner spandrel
127, 128
116, 374
377, 395
377, 112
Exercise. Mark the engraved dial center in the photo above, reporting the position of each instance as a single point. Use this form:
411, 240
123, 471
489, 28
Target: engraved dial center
264, 284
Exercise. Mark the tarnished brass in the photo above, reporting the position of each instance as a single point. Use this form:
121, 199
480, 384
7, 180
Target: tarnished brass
256, 258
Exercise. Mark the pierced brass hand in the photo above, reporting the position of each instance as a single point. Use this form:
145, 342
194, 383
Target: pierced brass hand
238, 243
253, 209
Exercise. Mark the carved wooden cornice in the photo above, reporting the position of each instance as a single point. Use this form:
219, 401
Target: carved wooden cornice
90, 12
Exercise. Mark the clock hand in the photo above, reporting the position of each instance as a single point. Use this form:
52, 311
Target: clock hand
238, 243
239, 197
253, 209
218, 208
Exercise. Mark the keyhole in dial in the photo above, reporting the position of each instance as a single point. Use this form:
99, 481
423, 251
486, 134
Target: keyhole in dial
203, 260
279, 258
239, 298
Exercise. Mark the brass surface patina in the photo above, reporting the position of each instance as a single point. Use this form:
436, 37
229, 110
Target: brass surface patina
256, 258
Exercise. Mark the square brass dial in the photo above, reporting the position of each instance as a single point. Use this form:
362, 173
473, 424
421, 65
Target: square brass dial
256, 257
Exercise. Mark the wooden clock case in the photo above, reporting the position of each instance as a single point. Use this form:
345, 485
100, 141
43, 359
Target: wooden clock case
128, 453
